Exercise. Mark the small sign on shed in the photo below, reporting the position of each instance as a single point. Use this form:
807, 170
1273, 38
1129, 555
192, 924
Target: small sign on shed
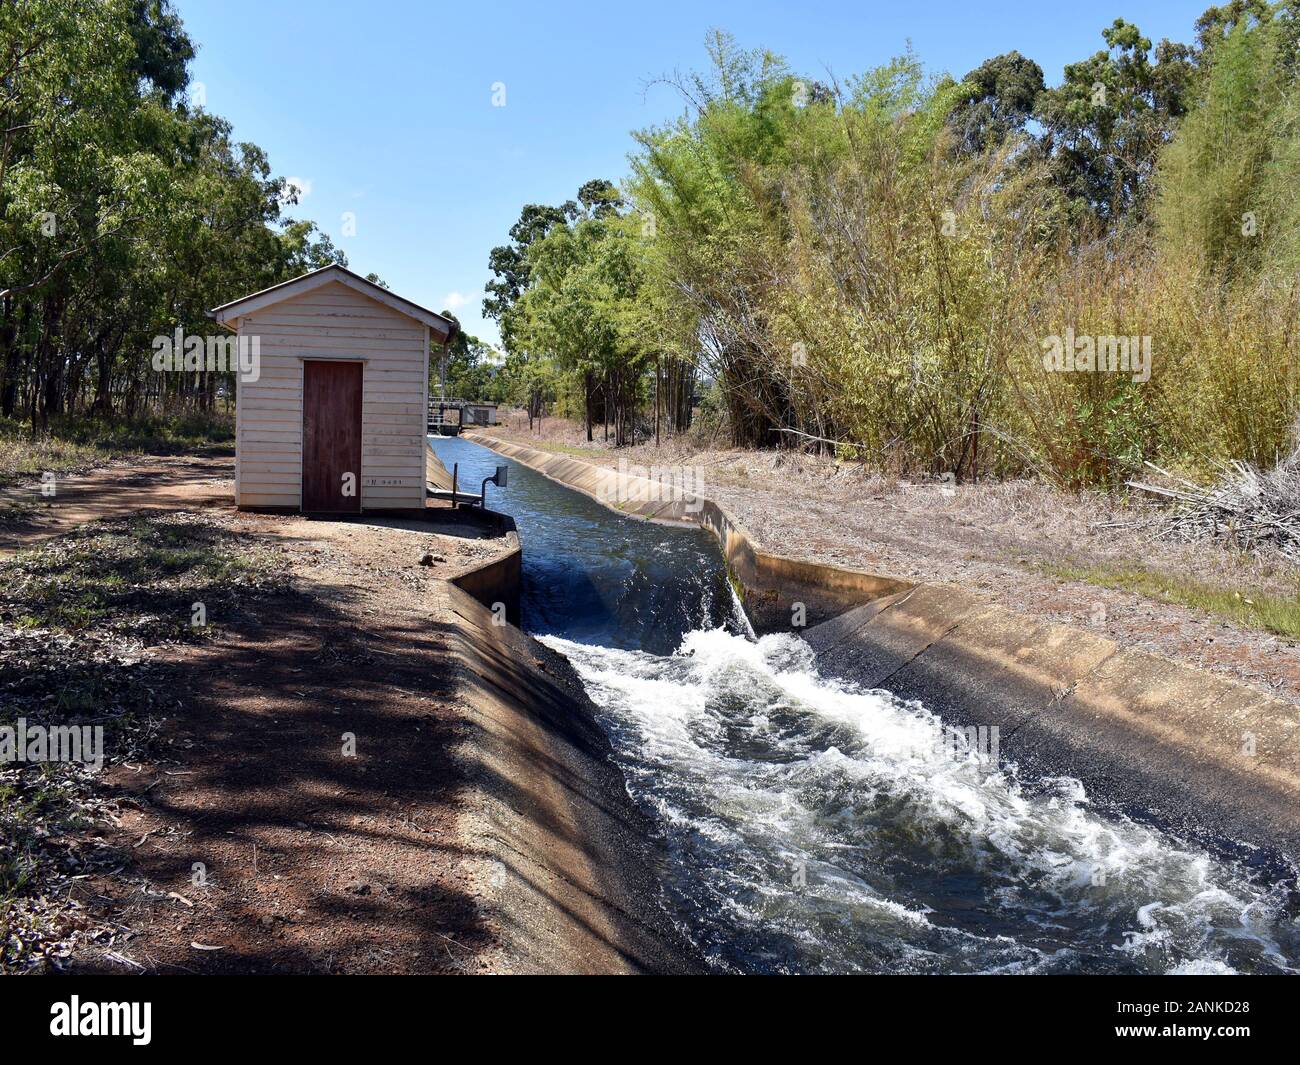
331, 419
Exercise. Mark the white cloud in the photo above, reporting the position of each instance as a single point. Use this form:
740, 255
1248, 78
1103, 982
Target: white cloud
302, 186
454, 300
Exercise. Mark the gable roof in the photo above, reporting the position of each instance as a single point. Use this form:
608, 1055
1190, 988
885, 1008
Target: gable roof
443, 328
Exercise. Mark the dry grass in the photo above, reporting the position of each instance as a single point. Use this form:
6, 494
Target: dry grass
1254, 509
22, 457
79, 444
1252, 609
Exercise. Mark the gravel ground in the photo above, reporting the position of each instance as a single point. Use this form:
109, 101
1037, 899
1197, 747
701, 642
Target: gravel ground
997, 539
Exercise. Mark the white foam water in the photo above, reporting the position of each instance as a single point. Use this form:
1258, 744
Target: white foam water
815, 827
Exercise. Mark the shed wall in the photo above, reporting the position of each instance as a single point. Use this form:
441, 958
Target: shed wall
333, 322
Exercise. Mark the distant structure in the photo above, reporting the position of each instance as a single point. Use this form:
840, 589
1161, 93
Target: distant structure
449, 416
479, 414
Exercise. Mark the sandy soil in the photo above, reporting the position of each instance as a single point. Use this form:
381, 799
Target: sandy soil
304, 816
996, 539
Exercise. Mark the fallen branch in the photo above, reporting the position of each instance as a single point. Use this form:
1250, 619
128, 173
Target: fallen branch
1252, 508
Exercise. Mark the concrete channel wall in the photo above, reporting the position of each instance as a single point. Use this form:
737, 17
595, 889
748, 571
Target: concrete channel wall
562, 860
1204, 756
769, 584
491, 583
497, 582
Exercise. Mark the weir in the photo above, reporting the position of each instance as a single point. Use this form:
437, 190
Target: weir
814, 824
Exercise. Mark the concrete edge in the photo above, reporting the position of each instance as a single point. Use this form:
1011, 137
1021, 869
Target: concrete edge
498, 581
1202, 755
562, 862
1205, 755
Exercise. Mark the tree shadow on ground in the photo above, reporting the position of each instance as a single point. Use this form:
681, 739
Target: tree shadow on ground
303, 757
310, 771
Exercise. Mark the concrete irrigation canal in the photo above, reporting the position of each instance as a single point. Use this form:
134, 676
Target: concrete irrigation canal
807, 824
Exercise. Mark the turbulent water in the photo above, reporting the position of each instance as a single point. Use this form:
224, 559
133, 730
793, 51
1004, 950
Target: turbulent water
814, 827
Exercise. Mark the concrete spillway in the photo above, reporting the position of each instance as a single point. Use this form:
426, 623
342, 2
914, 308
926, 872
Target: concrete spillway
811, 823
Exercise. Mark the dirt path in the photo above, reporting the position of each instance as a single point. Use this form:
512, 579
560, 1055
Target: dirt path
28, 516
1004, 541
303, 816
307, 818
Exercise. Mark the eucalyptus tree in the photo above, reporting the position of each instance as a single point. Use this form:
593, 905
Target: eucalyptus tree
1001, 95
1106, 123
510, 267
124, 211
79, 183
568, 309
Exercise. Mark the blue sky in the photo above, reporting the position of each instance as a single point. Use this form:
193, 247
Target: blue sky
384, 109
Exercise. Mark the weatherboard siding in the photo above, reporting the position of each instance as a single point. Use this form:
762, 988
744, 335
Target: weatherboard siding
334, 322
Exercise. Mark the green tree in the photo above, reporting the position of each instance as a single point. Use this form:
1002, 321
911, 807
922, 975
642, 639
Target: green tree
1002, 96
1105, 124
124, 212
509, 263
468, 367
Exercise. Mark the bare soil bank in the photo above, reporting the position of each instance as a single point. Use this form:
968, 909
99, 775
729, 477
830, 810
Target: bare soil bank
260, 842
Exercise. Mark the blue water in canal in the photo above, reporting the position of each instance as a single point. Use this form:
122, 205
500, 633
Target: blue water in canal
591, 576
814, 827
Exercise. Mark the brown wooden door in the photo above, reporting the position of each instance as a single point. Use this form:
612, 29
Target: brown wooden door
331, 436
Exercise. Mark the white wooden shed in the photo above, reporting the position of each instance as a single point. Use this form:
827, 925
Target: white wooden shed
332, 420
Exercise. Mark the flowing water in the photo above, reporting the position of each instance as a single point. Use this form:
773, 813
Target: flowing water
814, 827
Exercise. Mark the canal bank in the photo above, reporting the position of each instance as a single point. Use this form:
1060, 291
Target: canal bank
1209, 758
367, 772
563, 862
